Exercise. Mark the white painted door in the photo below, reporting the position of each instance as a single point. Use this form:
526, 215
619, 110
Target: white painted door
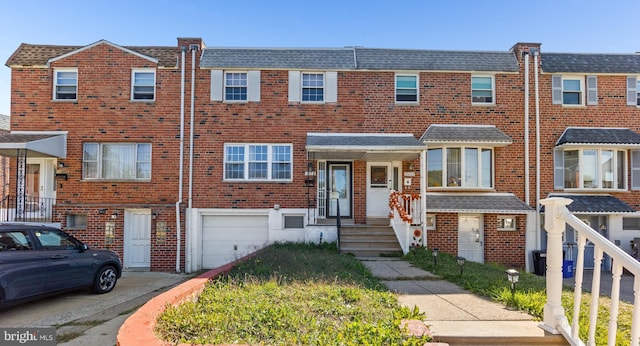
379, 185
137, 238
471, 238
39, 187
226, 238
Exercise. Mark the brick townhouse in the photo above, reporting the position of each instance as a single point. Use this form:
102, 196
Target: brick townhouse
183, 158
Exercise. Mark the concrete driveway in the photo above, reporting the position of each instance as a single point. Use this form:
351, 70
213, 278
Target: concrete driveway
91, 318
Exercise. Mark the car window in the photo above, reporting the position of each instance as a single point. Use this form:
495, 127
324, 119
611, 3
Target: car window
53, 240
14, 240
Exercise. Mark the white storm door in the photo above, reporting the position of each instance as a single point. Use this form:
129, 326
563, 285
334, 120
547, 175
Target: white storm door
471, 238
379, 185
137, 238
339, 189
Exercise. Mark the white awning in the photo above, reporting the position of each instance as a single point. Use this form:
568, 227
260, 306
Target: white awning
43, 144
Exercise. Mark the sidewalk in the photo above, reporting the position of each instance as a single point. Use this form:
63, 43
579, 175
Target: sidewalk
451, 312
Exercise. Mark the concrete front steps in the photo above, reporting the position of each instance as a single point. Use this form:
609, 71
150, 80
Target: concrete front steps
496, 333
369, 240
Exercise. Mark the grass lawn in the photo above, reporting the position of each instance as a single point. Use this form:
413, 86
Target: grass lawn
490, 280
292, 294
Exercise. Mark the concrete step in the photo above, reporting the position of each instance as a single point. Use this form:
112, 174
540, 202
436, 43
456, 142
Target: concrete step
369, 240
553, 340
492, 333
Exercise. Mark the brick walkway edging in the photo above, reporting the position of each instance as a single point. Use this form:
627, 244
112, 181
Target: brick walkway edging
139, 328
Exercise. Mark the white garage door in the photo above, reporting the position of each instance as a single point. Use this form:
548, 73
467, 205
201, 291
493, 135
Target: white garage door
226, 238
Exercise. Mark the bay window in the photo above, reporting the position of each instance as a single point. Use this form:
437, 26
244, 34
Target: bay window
465, 167
590, 168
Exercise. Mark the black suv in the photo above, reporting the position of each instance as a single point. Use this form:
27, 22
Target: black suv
37, 261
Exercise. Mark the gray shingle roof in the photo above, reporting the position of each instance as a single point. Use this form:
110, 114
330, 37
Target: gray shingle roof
490, 203
363, 140
590, 63
358, 58
464, 133
595, 204
435, 60
592, 135
278, 58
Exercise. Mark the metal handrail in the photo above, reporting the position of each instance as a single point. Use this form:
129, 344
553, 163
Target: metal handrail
32, 209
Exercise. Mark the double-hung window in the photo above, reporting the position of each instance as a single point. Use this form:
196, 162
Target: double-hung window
590, 168
312, 87
406, 88
65, 84
116, 161
259, 162
482, 90
235, 86
143, 85
570, 90
460, 167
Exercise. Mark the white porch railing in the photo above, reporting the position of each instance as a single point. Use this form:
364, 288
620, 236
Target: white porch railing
405, 211
555, 321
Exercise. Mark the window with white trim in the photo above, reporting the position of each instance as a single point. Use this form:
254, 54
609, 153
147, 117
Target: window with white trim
258, 162
506, 223
430, 222
235, 86
312, 87
590, 168
460, 167
143, 85
65, 84
482, 90
569, 90
406, 88
115, 161
633, 90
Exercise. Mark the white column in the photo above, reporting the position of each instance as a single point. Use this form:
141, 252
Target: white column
554, 224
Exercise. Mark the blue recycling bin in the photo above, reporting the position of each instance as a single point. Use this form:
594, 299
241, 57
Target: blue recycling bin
567, 269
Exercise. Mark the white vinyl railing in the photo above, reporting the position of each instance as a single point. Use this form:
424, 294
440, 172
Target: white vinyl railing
405, 211
555, 321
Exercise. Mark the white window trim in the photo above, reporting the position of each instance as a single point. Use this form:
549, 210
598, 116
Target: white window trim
433, 225
133, 78
247, 161
100, 158
324, 86
493, 90
502, 217
395, 88
581, 79
633, 90
581, 169
55, 83
462, 148
224, 87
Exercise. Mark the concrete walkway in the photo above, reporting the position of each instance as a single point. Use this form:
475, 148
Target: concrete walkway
450, 311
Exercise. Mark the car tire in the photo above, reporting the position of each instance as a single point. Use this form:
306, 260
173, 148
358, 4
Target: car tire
105, 280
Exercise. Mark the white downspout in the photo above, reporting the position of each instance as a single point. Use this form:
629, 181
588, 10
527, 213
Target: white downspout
527, 190
535, 79
423, 194
180, 164
194, 49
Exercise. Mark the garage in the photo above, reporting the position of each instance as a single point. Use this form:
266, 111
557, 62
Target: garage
226, 238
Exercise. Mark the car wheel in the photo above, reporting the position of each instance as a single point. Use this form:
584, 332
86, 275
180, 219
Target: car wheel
105, 280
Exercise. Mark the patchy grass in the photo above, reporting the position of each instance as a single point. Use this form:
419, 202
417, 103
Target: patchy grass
490, 280
292, 294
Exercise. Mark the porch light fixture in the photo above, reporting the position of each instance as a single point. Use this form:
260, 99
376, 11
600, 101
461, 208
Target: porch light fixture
434, 253
513, 276
154, 215
114, 215
60, 164
460, 260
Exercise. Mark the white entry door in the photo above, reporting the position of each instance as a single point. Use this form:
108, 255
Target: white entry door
471, 238
137, 238
379, 185
339, 189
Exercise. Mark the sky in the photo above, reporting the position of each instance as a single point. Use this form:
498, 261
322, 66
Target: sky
581, 26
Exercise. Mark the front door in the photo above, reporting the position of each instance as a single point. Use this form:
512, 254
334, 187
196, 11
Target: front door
137, 238
339, 189
471, 238
379, 185
39, 187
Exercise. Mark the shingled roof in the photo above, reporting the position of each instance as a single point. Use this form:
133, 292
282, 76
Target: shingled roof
39, 55
597, 204
479, 203
358, 58
464, 133
590, 63
594, 135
